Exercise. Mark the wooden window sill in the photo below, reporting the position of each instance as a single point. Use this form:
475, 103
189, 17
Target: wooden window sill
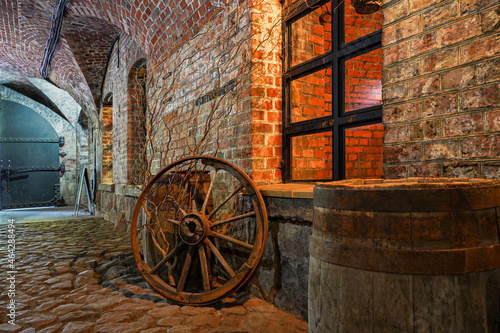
295, 190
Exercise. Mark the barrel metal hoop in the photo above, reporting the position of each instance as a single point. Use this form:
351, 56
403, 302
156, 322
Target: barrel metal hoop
431, 262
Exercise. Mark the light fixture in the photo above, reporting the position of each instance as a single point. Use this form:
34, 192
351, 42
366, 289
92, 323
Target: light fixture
366, 6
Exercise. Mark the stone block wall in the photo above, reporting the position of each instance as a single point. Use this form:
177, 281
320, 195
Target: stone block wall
441, 88
282, 276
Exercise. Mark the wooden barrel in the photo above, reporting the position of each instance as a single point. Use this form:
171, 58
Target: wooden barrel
410, 255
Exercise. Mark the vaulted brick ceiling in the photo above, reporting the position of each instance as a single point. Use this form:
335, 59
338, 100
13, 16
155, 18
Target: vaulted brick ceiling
78, 64
89, 30
90, 40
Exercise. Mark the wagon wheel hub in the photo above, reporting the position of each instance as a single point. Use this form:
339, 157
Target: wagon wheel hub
193, 228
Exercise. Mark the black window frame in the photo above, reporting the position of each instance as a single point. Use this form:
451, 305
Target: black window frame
339, 120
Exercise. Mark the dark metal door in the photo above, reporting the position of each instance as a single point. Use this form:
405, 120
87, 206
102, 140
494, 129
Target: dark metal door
29, 158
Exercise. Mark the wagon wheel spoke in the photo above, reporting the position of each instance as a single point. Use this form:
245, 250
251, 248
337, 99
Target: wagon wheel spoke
167, 258
219, 256
209, 192
216, 209
235, 218
232, 240
194, 207
204, 267
185, 271
174, 222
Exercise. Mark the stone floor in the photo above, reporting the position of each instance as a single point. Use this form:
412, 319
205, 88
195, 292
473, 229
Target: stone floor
58, 290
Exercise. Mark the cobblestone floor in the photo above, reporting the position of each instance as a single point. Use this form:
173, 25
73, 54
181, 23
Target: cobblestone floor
57, 289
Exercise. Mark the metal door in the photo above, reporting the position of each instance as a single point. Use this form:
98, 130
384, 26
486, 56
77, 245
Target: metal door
29, 158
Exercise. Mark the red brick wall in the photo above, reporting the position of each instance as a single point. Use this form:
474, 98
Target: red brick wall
363, 151
363, 81
312, 156
241, 118
265, 92
311, 35
88, 31
442, 88
358, 25
363, 88
310, 96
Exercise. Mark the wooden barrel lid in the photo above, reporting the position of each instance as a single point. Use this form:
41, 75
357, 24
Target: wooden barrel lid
408, 195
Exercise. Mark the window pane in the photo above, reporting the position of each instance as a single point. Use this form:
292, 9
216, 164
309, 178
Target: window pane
363, 151
312, 156
312, 35
311, 96
363, 81
358, 25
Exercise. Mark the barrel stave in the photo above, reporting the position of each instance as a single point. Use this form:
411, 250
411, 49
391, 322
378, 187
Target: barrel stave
449, 291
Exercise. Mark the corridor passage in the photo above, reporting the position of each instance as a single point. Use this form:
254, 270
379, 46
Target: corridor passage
52, 284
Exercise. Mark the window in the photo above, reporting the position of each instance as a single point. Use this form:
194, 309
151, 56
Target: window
332, 92
107, 139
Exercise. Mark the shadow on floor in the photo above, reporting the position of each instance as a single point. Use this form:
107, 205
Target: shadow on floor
41, 214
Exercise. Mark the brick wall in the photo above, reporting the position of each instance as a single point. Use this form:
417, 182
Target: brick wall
186, 119
357, 25
124, 55
312, 156
136, 123
363, 81
23, 34
441, 88
217, 93
116, 198
363, 151
363, 88
107, 144
265, 92
206, 106
95, 36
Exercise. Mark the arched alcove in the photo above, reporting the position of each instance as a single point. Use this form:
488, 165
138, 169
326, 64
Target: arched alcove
136, 132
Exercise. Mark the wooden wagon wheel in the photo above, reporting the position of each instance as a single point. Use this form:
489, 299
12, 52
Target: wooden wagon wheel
199, 230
